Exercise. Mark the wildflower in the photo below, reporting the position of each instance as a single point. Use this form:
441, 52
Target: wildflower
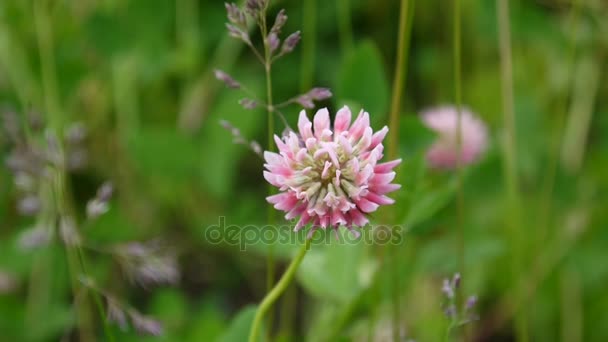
444, 154
330, 177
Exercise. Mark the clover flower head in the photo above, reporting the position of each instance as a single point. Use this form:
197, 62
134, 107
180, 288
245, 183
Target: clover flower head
330, 176
444, 152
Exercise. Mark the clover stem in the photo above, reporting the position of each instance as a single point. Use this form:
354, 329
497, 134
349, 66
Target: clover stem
277, 291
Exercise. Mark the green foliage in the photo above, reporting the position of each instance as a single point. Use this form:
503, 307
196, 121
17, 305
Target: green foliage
240, 326
362, 82
139, 75
331, 270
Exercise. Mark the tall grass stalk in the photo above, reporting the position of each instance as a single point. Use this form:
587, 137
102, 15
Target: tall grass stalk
555, 146
345, 29
509, 146
270, 262
399, 78
44, 35
200, 96
309, 30
571, 298
457, 59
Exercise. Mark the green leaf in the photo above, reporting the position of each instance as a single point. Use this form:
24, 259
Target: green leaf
164, 152
207, 325
170, 307
241, 325
331, 272
429, 203
362, 82
414, 136
219, 167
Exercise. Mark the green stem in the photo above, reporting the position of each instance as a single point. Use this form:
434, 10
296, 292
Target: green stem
44, 35
405, 29
270, 262
308, 44
510, 160
459, 165
345, 26
96, 298
554, 149
278, 289
405, 26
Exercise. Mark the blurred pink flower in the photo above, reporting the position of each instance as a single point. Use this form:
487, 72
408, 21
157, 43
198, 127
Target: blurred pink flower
443, 154
330, 176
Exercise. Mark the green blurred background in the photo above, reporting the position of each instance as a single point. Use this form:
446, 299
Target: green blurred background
139, 75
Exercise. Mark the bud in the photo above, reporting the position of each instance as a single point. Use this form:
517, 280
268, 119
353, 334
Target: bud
254, 7
227, 79
116, 315
29, 205
96, 208
237, 33
76, 133
320, 94
450, 311
255, 147
26, 159
280, 20
305, 101
248, 103
105, 191
273, 41
447, 289
456, 281
146, 325
35, 237
290, 42
226, 125
235, 15
148, 263
471, 301
229, 127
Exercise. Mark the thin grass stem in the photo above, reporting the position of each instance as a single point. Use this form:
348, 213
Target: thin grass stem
510, 162
399, 78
